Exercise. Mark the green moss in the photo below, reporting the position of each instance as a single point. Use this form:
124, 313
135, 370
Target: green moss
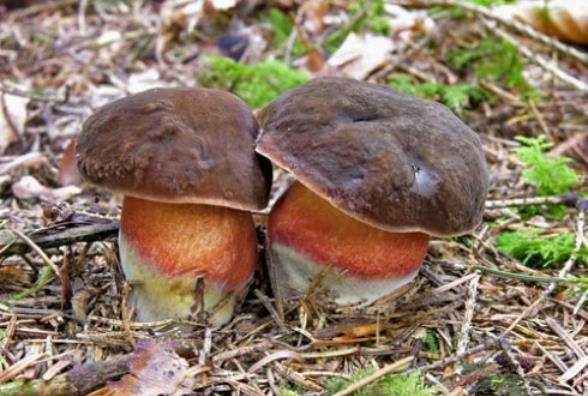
286, 391
389, 385
431, 342
256, 84
457, 96
499, 384
489, 3
535, 250
495, 60
550, 174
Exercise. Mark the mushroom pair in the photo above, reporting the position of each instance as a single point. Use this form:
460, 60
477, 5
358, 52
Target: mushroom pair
377, 172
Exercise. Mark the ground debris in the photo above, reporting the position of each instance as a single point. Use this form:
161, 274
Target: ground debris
465, 323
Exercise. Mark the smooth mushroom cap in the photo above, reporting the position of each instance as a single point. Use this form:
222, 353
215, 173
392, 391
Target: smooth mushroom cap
394, 161
177, 146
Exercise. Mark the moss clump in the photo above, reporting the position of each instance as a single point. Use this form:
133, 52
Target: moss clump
256, 84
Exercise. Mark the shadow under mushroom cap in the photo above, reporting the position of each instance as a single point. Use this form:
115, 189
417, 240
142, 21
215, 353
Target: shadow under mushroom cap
394, 161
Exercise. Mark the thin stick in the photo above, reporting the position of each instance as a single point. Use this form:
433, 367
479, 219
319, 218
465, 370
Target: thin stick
375, 376
124, 309
20, 366
145, 325
455, 358
44, 6
564, 199
265, 301
562, 273
34, 96
39, 251
49, 238
464, 335
546, 65
574, 256
569, 341
517, 365
512, 275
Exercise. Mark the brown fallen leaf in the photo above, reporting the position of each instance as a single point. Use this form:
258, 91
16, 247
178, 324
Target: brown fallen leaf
68, 170
13, 274
155, 369
187, 13
564, 19
360, 54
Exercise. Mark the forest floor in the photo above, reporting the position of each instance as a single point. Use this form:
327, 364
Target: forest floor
500, 311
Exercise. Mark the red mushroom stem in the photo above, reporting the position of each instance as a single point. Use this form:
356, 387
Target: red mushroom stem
308, 233
166, 248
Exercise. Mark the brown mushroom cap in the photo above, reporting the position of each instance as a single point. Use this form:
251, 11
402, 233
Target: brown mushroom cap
393, 161
177, 146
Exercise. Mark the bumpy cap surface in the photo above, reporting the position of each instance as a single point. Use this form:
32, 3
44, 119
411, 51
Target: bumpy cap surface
390, 160
177, 146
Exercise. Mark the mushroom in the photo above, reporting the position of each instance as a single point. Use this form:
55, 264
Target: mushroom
377, 172
184, 160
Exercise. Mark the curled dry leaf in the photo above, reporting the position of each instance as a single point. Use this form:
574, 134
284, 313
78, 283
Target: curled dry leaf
360, 54
111, 39
13, 274
406, 23
187, 13
148, 79
223, 5
314, 13
564, 19
28, 187
182, 13
79, 305
68, 170
155, 369
13, 115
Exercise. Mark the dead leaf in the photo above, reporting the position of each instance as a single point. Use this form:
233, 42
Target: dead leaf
314, 12
575, 370
408, 22
139, 82
564, 19
222, 5
28, 188
79, 305
13, 116
360, 54
111, 39
182, 13
68, 170
13, 274
156, 369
